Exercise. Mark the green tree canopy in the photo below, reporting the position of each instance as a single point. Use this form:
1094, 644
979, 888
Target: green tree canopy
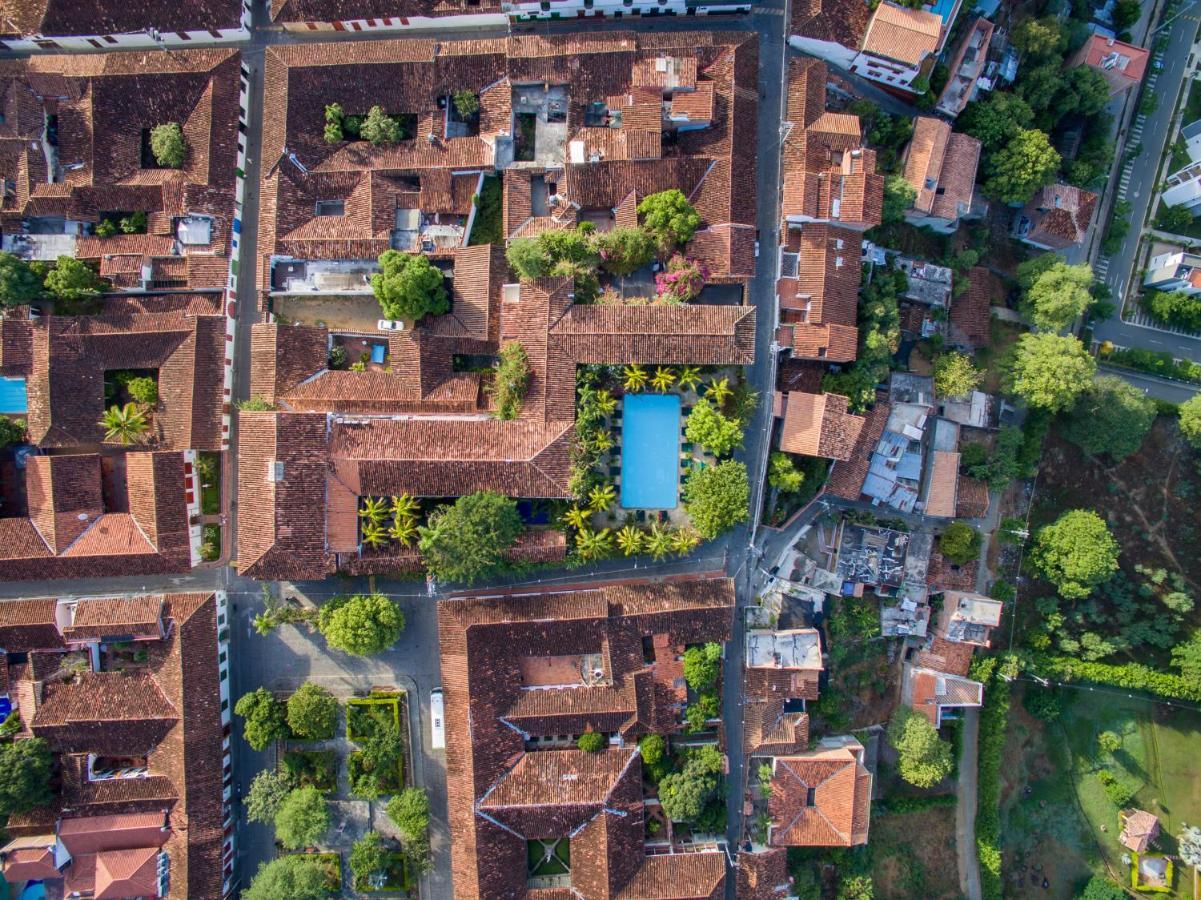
266, 793
717, 498
1085, 92
470, 538
368, 856
709, 428
899, 195
669, 217
1030, 270
410, 812
1190, 420
1039, 37
924, 759
409, 286
1058, 296
955, 376
782, 473
265, 718
25, 768
652, 747
312, 712
168, 146
1111, 416
960, 543
361, 624
625, 250
1186, 656
996, 119
72, 280
685, 793
296, 877
591, 742
510, 379
379, 127
1125, 14
701, 665
20, 285
1049, 371
529, 258
1022, 166
1101, 888
12, 431
302, 818
1076, 553
1174, 308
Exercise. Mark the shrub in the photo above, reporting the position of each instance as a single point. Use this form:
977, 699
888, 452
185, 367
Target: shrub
72, 280
168, 146
681, 281
296, 877
713, 431
409, 286
591, 742
470, 538
267, 792
361, 624
105, 228
12, 431
510, 380
25, 768
312, 712
467, 103
143, 390
924, 758
302, 818
1108, 741
368, 856
955, 376
959, 543
265, 718
19, 283
717, 498
379, 128
653, 747
625, 250
1042, 703
782, 473
255, 404
134, 223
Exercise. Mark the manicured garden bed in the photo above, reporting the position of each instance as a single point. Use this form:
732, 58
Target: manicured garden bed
382, 780
396, 877
331, 863
316, 767
208, 473
367, 717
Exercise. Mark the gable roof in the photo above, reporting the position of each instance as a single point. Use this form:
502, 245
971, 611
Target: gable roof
941, 166
1060, 215
847, 476
970, 311
820, 799
65, 17
819, 425
904, 34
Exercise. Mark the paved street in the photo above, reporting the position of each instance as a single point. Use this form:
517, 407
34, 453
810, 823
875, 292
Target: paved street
1161, 389
1140, 191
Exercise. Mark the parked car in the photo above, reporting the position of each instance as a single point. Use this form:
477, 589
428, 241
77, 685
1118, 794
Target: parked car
390, 325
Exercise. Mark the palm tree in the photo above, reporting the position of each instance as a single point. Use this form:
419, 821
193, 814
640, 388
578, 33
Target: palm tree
634, 378
405, 506
719, 390
684, 541
629, 539
658, 541
374, 510
663, 380
690, 377
577, 518
605, 402
601, 497
592, 545
374, 535
125, 424
601, 440
403, 530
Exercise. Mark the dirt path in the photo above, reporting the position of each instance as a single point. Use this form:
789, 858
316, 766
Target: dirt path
965, 808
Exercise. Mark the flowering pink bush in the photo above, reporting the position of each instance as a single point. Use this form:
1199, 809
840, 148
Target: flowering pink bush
682, 281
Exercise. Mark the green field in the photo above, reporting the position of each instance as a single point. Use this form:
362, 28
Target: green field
1060, 822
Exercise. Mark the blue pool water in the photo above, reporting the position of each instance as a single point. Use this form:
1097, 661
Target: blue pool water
650, 451
942, 8
35, 890
12, 396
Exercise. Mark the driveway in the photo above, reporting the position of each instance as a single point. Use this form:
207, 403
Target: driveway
965, 807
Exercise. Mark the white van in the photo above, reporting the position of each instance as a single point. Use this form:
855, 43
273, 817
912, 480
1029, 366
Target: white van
438, 723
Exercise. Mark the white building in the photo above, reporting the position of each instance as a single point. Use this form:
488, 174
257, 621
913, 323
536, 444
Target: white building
1175, 270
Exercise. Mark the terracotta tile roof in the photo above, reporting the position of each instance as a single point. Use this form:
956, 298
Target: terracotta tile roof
944, 482
819, 425
671, 876
942, 575
499, 795
970, 312
29, 864
929, 692
833, 21
1122, 64
971, 501
1060, 215
941, 166
97, 618
906, 35
283, 11
763, 875
1139, 829
29, 625
127, 873
820, 799
725, 250
117, 832
695, 105
63, 17
952, 657
847, 477
770, 731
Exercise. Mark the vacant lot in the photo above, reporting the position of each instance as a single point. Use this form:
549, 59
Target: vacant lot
1058, 821
913, 855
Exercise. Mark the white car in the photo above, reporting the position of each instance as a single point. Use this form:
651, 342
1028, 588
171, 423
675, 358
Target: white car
390, 325
437, 722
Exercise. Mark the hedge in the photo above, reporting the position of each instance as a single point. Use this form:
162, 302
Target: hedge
1162, 364
901, 805
1132, 676
994, 718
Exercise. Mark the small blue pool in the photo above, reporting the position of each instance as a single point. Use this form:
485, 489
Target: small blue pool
35, 890
650, 451
13, 398
943, 9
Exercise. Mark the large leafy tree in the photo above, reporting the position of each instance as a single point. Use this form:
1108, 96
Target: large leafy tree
1039, 37
379, 127
1058, 296
312, 712
368, 856
296, 877
1022, 166
1110, 417
529, 258
265, 718
701, 665
923, 758
1076, 553
996, 119
782, 473
899, 195
1101, 888
709, 428
24, 776
955, 376
669, 217
625, 250
960, 543
1085, 92
19, 283
409, 286
302, 818
168, 145
72, 280
470, 538
685, 793
1190, 420
266, 793
1050, 371
361, 624
717, 498
410, 812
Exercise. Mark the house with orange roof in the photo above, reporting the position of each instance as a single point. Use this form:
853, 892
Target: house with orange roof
1057, 217
940, 166
821, 797
524, 675
938, 695
816, 424
138, 810
1122, 65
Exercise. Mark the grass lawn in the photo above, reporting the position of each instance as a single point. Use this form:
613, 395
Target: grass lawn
1056, 812
925, 869
549, 857
316, 767
208, 469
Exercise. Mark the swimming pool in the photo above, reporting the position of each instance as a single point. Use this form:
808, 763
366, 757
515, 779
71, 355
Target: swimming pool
12, 396
650, 451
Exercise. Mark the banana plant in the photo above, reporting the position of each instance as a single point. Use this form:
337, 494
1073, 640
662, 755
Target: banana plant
684, 541
593, 545
629, 539
634, 378
405, 506
577, 518
605, 402
601, 441
601, 497
658, 541
403, 530
690, 377
719, 390
374, 510
374, 535
663, 380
